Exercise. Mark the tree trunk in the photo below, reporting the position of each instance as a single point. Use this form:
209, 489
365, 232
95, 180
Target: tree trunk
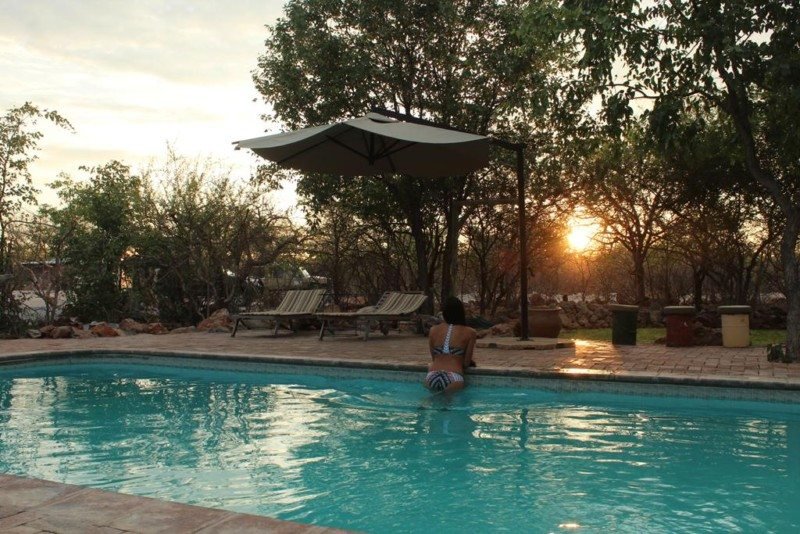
791, 233
420, 250
338, 268
698, 276
638, 276
410, 203
450, 256
484, 285
791, 275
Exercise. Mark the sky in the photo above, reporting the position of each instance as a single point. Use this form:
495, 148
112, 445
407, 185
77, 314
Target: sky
136, 76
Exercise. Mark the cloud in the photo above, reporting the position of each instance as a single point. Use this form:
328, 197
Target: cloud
182, 41
134, 76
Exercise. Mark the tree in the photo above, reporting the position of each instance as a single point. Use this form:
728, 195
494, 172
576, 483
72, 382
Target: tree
493, 256
203, 239
718, 234
394, 207
19, 142
739, 57
630, 190
102, 215
470, 65
42, 262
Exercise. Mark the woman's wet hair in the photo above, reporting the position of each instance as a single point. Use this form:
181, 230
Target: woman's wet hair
453, 311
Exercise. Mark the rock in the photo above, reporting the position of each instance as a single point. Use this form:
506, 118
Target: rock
569, 324
504, 329
772, 317
61, 332
183, 330
133, 326
653, 317
130, 325
706, 336
407, 326
216, 330
219, 321
156, 329
483, 333
104, 330
708, 319
45, 330
34, 333
537, 300
429, 321
80, 333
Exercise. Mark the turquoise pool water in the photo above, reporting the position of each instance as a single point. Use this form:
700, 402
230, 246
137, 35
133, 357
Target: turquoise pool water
382, 456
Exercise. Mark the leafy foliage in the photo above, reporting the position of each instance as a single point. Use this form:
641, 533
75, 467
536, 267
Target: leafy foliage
19, 142
740, 58
175, 243
102, 216
480, 65
203, 239
630, 189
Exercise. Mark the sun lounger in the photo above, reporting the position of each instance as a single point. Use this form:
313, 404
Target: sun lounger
296, 304
393, 306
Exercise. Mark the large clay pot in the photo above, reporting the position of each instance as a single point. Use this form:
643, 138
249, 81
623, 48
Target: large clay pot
544, 321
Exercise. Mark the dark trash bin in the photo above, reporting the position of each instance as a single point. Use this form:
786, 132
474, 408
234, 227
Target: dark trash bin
623, 324
680, 325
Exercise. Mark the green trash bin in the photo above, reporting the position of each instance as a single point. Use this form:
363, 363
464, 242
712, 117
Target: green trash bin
623, 324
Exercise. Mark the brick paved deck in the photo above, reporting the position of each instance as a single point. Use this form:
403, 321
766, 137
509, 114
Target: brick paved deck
599, 359
41, 506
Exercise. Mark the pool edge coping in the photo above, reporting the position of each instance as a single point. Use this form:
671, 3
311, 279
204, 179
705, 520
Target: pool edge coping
52, 504
568, 374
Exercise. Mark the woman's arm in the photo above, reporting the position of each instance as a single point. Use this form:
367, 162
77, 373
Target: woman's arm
431, 334
470, 348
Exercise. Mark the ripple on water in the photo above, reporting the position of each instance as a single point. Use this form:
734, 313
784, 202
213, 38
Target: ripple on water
385, 456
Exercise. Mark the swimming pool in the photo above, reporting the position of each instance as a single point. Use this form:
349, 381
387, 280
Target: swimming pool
378, 455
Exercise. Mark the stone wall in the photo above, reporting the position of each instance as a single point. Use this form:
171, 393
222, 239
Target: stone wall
598, 315
584, 315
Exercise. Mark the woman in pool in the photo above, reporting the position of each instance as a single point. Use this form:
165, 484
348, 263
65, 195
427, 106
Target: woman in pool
451, 344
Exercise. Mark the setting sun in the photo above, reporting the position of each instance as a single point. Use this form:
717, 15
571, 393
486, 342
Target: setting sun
581, 235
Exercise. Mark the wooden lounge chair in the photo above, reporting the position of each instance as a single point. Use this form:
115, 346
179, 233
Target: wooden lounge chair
296, 304
392, 306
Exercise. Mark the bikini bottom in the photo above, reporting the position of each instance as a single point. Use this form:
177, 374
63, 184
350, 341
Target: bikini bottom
437, 381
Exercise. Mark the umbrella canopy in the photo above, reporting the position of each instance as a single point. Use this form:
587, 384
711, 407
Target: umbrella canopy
377, 144
374, 144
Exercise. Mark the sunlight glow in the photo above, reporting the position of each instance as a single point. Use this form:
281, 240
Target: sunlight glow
579, 238
581, 235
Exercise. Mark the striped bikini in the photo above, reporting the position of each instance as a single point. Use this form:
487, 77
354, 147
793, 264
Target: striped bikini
438, 381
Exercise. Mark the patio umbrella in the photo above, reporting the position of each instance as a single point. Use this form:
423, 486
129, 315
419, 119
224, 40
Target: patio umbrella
377, 143
374, 144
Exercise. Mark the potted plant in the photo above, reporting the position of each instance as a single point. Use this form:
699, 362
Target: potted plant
544, 321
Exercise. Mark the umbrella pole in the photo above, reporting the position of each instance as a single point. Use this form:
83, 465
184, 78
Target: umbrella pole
519, 148
523, 244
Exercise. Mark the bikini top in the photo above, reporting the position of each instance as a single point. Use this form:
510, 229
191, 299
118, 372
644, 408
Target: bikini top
445, 347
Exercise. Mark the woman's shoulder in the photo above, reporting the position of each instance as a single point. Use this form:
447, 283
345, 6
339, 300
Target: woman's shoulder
438, 327
466, 331
460, 328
